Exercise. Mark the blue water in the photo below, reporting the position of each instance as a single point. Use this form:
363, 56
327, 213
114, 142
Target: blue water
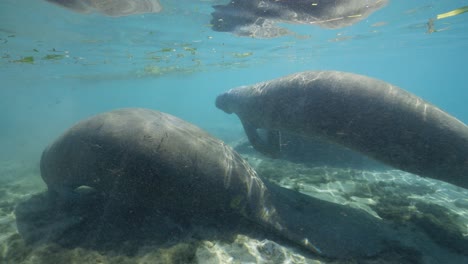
107, 58
58, 67
174, 62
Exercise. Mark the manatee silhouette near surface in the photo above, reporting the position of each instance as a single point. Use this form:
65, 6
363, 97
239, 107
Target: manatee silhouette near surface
258, 18
364, 114
111, 7
140, 157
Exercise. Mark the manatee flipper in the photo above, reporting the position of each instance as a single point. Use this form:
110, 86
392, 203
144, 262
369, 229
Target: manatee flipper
330, 229
271, 146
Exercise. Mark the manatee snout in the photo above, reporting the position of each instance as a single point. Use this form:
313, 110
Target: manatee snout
226, 102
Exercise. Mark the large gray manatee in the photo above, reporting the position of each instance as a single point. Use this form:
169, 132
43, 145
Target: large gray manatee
142, 157
364, 114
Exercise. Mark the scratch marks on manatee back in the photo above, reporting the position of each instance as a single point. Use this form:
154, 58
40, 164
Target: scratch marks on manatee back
161, 141
228, 164
425, 112
417, 104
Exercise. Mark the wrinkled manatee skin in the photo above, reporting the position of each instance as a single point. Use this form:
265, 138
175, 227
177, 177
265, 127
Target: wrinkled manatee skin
364, 114
147, 158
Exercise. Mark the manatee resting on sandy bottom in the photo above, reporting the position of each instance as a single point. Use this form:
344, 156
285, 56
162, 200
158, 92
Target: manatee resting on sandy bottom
140, 157
364, 114
257, 18
111, 7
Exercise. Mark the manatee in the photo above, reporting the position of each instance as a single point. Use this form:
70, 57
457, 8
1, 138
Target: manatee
364, 114
316, 153
140, 157
258, 18
114, 8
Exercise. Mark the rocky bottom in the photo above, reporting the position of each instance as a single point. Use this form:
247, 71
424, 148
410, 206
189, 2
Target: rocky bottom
42, 231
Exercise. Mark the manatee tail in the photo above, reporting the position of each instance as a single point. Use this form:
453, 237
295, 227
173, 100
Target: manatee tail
329, 229
270, 146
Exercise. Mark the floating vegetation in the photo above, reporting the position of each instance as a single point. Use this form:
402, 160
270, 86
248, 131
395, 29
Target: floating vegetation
175, 55
53, 57
430, 26
156, 58
167, 50
242, 55
190, 49
197, 62
154, 70
29, 59
455, 12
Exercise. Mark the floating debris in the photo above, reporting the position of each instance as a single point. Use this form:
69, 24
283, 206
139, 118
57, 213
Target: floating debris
430, 26
167, 50
190, 49
242, 55
53, 57
454, 12
29, 59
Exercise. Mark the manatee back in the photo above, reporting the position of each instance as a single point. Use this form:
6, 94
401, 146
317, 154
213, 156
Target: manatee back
364, 114
382, 121
144, 157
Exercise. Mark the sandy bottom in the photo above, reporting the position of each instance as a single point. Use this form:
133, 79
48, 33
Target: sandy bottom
437, 211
